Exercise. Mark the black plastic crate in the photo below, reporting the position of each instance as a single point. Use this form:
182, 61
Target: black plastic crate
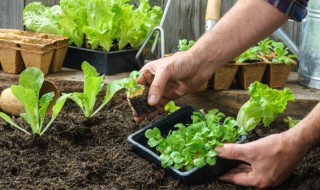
109, 63
194, 176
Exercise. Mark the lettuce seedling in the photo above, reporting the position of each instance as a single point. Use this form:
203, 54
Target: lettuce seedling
185, 45
264, 105
194, 145
27, 92
171, 107
265, 46
93, 84
282, 54
250, 55
291, 122
137, 94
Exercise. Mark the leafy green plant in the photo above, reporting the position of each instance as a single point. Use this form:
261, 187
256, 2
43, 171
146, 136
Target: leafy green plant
171, 107
27, 92
185, 45
95, 24
193, 145
265, 46
265, 105
250, 55
93, 84
282, 54
130, 83
291, 122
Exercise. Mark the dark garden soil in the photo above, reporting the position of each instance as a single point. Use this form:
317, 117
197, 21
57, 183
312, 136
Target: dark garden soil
77, 153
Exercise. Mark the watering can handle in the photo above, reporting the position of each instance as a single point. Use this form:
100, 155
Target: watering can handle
213, 10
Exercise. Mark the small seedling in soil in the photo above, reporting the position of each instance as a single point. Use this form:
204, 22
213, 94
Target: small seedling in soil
93, 84
265, 105
171, 107
27, 92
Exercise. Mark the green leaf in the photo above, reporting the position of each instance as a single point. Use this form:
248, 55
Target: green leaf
32, 78
265, 104
92, 87
29, 100
171, 107
44, 104
56, 110
9, 120
199, 162
211, 161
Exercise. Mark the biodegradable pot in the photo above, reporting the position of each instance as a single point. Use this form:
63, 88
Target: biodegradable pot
222, 78
10, 58
109, 63
276, 75
11, 105
249, 73
39, 46
194, 176
37, 53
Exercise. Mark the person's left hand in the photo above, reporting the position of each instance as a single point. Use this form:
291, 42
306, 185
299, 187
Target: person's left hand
270, 160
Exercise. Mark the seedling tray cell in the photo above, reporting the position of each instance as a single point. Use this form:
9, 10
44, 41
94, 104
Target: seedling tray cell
194, 176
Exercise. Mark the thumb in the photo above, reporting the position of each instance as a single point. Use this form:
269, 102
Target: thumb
157, 87
232, 151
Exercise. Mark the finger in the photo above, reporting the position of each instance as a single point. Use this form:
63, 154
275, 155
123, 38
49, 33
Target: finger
240, 178
157, 87
233, 151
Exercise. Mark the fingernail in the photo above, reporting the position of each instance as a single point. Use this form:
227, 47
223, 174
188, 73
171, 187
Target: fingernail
219, 149
152, 99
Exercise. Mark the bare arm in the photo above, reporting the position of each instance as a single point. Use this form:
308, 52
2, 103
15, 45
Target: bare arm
245, 24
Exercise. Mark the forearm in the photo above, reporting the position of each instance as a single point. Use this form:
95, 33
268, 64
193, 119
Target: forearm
236, 32
307, 132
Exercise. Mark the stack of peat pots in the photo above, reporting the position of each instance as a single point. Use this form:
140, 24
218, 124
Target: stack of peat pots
22, 49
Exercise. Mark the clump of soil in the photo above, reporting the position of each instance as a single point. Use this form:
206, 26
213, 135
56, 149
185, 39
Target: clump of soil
81, 153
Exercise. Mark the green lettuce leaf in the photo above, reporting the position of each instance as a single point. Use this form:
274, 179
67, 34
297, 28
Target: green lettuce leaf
264, 105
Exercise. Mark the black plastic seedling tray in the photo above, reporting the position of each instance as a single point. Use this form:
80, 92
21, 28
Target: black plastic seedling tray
109, 63
194, 176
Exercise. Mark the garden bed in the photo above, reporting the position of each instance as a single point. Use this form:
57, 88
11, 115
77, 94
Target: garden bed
94, 154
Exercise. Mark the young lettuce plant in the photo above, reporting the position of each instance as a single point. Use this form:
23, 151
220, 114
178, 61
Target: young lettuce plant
171, 107
185, 45
93, 84
264, 105
27, 92
137, 94
193, 145
282, 54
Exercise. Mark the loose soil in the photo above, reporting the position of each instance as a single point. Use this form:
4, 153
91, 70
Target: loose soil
80, 153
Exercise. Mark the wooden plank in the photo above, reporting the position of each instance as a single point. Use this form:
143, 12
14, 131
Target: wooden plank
11, 14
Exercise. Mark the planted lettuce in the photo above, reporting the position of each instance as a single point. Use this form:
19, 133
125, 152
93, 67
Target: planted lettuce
93, 84
95, 24
27, 92
264, 105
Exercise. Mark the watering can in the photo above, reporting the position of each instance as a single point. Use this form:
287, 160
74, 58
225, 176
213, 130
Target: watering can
309, 68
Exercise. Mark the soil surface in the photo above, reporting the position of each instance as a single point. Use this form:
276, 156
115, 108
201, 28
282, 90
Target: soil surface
81, 153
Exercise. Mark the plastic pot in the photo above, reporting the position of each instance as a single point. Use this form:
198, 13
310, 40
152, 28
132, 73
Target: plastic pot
191, 177
109, 63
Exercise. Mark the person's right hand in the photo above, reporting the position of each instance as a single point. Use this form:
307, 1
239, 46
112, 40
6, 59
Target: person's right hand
172, 77
270, 159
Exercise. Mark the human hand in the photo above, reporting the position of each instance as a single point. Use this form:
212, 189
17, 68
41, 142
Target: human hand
270, 160
172, 77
